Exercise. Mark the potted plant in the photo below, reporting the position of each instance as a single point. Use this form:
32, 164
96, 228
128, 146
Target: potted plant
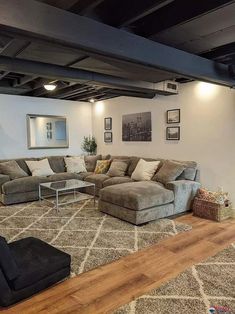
89, 145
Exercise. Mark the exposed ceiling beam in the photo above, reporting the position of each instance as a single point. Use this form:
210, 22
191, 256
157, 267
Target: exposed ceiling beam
24, 80
62, 4
85, 6
129, 93
14, 47
222, 51
3, 74
175, 13
138, 10
57, 72
71, 91
46, 22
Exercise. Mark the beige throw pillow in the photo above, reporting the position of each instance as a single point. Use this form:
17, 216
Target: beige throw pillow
12, 169
145, 170
169, 171
118, 168
75, 164
39, 167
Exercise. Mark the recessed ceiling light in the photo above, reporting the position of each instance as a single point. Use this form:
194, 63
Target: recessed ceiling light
92, 100
50, 87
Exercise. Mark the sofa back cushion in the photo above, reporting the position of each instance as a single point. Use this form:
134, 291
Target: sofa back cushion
57, 163
190, 170
90, 162
145, 170
39, 167
12, 169
7, 261
134, 161
169, 171
102, 166
118, 168
75, 164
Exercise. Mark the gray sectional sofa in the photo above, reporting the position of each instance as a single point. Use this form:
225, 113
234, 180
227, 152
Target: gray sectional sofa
136, 202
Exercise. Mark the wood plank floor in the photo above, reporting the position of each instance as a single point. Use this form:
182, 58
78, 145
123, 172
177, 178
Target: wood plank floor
108, 287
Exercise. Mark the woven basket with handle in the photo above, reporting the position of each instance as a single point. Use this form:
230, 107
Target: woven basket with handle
210, 210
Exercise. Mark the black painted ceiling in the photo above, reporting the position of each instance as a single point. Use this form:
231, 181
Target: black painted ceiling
202, 27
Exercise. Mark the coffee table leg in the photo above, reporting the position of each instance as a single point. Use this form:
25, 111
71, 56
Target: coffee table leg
57, 201
39, 193
94, 195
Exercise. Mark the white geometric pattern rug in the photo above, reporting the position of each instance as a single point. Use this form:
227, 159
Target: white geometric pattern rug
208, 287
89, 236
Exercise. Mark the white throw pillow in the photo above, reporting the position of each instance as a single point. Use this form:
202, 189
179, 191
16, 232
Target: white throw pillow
39, 167
75, 164
145, 170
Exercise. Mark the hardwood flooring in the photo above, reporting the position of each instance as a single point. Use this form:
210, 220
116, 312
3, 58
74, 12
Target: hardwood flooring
108, 287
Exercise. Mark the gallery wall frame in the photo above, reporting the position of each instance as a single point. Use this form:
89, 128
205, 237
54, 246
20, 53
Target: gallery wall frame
173, 133
108, 137
108, 123
173, 116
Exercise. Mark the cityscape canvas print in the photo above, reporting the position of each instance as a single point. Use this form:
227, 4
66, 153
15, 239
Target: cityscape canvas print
137, 127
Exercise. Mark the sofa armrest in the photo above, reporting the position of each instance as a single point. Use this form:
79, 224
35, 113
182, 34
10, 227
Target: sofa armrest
3, 179
184, 191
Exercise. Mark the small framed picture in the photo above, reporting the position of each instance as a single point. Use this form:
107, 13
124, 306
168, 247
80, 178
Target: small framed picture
108, 137
173, 116
173, 133
108, 123
49, 126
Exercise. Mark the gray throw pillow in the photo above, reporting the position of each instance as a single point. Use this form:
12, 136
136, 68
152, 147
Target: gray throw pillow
169, 171
118, 168
12, 169
90, 162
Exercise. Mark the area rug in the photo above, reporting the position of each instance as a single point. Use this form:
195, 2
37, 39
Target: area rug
89, 236
208, 287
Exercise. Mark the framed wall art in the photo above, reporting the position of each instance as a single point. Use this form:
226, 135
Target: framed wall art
173, 133
108, 137
108, 123
173, 116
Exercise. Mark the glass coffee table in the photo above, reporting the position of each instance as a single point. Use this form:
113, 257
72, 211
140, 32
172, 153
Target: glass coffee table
65, 187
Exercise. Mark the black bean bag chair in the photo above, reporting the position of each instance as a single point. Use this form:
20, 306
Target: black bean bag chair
28, 266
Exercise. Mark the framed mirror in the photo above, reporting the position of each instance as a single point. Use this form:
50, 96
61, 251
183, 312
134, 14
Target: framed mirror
45, 131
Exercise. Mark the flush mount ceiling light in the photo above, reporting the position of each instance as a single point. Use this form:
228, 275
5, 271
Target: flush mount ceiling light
50, 87
92, 100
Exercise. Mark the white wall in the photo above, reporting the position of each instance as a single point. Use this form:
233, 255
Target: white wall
207, 130
13, 131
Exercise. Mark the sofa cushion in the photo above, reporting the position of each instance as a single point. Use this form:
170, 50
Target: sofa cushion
169, 171
7, 262
22, 185
134, 161
145, 170
39, 167
12, 169
118, 168
137, 195
102, 166
83, 175
190, 170
57, 163
75, 164
117, 180
90, 162
38, 261
97, 179
63, 176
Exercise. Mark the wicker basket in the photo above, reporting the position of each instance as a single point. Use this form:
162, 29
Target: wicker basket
210, 210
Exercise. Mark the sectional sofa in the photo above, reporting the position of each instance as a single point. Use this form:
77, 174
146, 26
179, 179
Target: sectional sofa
122, 197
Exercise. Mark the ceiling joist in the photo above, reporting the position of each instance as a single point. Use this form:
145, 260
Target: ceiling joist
52, 24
